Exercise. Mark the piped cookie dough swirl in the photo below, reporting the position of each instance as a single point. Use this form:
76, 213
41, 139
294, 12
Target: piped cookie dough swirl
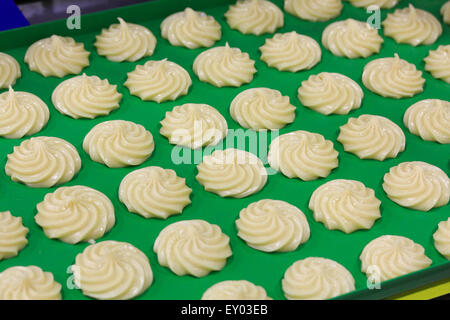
314, 10
224, 66
119, 143
254, 17
43, 162
429, 119
9, 70
125, 42
261, 109
372, 137
74, 214
272, 226
154, 192
86, 97
193, 247
445, 12
57, 56
21, 114
442, 238
232, 173
383, 4
393, 77
191, 29
330, 93
412, 26
290, 52
417, 185
438, 63
351, 39
13, 235
235, 290
389, 256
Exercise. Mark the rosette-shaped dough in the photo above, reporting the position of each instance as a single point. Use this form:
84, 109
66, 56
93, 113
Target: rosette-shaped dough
21, 114
412, 26
417, 185
154, 192
235, 290
224, 66
28, 283
302, 154
272, 225
57, 56
316, 279
345, 205
254, 17
112, 270
194, 125
75, 214
429, 119
261, 109
330, 93
43, 162
352, 39
314, 10
291, 52
383, 4
191, 29
125, 42
158, 81
445, 12
442, 238
393, 77
388, 257
193, 247
438, 63
232, 173
372, 137
119, 143
86, 97
9, 70
13, 235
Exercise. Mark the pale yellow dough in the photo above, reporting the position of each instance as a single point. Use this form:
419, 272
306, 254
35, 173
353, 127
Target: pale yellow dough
383, 4
235, 290
442, 238
9, 70
13, 235
445, 12
314, 10
438, 63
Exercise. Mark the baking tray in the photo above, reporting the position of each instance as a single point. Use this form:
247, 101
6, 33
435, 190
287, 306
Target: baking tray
265, 269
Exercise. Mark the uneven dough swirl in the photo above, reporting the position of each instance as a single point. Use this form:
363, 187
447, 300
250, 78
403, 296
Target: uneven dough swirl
393, 77
438, 63
235, 290
254, 17
445, 12
261, 109
28, 283
119, 143
191, 29
417, 185
413, 26
388, 257
372, 137
112, 270
224, 66
316, 279
74, 214
125, 42
86, 97
193, 247
9, 70
272, 226
232, 173
302, 154
158, 81
43, 162
383, 4
345, 205
57, 56
429, 119
314, 10
352, 39
329, 93
442, 238
21, 114
154, 192
290, 52
13, 235
194, 125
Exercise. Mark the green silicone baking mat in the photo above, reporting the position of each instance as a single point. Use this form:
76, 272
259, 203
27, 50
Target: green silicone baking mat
265, 269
